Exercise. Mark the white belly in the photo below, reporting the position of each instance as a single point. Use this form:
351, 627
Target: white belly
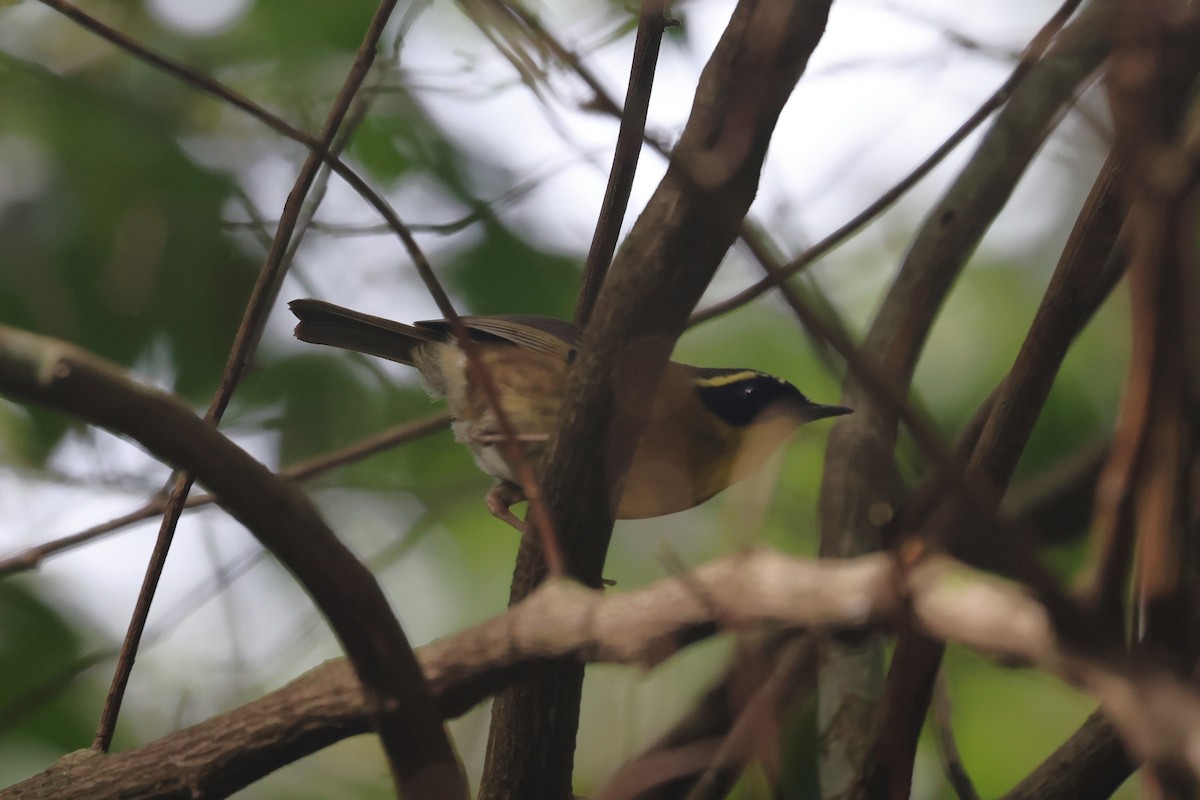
488, 456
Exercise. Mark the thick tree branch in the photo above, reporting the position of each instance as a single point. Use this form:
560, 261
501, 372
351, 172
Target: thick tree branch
1156, 713
1091, 763
62, 377
655, 281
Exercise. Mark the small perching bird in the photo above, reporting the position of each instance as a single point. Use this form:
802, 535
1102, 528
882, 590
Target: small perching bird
706, 429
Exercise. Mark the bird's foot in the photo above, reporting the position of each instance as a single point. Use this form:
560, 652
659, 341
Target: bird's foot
500, 500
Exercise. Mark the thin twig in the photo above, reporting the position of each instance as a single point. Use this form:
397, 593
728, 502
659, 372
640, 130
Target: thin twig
32, 557
244, 342
758, 727
1058, 500
1037, 46
217, 89
482, 210
1093, 762
651, 24
314, 194
943, 724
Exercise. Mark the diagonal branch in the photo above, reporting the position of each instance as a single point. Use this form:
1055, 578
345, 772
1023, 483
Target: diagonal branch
245, 342
1157, 713
62, 377
651, 25
997, 100
1089, 268
222, 92
366, 447
859, 494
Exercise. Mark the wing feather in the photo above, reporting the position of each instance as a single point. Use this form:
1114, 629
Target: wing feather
548, 335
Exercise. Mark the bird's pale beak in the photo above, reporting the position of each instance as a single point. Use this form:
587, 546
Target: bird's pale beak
818, 411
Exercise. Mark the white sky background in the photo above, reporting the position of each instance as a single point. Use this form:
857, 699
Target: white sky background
883, 89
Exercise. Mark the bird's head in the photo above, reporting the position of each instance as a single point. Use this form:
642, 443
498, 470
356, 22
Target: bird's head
756, 413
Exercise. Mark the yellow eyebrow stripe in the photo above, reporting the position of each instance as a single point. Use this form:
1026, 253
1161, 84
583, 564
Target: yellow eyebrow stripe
725, 380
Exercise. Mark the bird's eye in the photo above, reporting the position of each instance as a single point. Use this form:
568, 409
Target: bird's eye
739, 401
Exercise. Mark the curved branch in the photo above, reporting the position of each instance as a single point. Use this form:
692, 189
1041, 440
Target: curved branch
62, 377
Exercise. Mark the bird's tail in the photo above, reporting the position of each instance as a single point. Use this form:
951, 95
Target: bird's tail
326, 323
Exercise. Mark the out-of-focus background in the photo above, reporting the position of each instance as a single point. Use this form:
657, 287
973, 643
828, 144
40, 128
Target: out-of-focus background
135, 211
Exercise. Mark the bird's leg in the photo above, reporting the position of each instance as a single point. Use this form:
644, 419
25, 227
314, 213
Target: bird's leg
505, 494
500, 499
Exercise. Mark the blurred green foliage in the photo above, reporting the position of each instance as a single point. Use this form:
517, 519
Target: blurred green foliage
38, 649
114, 242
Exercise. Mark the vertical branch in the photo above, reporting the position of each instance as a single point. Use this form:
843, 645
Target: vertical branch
858, 494
1145, 504
651, 24
507, 754
655, 281
952, 763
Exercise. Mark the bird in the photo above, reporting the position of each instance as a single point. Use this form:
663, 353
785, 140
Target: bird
706, 428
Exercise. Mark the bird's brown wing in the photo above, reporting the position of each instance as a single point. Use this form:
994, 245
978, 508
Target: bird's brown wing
549, 335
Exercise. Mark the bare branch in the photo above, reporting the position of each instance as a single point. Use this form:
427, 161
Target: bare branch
1092, 763
217, 89
651, 24
756, 733
655, 281
1157, 714
397, 435
60, 376
668, 767
1057, 502
858, 494
245, 343
952, 763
